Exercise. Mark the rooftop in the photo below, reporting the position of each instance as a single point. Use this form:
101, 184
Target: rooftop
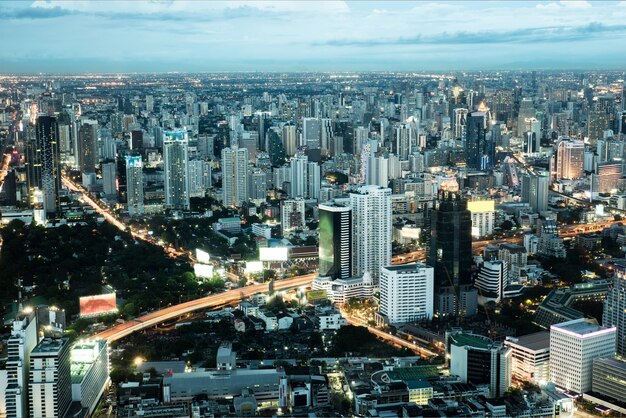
49, 346
406, 267
581, 327
472, 340
537, 341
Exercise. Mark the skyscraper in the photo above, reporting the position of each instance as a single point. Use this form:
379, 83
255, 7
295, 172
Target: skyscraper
108, 180
290, 140
20, 344
134, 185
614, 313
88, 146
568, 160
479, 150
406, 293
50, 383
234, 176
451, 255
535, 191
371, 220
48, 146
335, 241
175, 156
291, 215
403, 141
311, 132
305, 177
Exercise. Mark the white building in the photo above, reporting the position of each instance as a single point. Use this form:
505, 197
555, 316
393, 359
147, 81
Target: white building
483, 217
89, 365
341, 290
614, 313
492, 278
371, 229
234, 176
134, 185
50, 380
573, 347
197, 179
176, 159
530, 357
20, 344
108, 180
406, 292
292, 215
305, 178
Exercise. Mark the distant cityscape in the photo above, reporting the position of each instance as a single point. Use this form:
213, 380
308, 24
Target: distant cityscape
313, 244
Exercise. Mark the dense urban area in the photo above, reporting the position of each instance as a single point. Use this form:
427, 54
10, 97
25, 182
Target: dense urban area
313, 244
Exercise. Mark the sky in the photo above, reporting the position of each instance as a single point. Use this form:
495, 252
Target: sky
194, 36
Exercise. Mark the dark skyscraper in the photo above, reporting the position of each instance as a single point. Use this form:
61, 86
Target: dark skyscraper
47, 142
451, 255
479, 149
335, 248
87, 145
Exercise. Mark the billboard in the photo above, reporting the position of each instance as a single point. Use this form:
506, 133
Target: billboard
316, 295
254, 267
274, 254
203, 270
97, 305
202, 256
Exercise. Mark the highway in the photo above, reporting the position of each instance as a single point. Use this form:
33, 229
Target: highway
208, 302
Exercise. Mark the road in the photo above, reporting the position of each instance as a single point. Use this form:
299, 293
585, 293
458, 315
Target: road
232, 296
391, 339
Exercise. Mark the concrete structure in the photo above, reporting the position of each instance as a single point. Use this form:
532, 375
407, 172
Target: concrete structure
292, 215
567, 162
614, 313
50, 380
20, 344
480, 361
89, 367
406, 293
491, 281
176, 158
574, 345
535, 191
530, 358
371, 229
335, 241
234, 176
483, 217
134, 185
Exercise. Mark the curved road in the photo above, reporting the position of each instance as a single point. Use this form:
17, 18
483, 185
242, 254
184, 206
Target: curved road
154, 318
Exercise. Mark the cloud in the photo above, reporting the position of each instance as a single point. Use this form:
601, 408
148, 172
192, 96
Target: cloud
34, 13
548, 34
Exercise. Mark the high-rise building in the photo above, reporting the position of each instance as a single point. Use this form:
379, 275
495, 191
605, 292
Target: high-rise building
134, 185
450, 254
109, 180
535, 191
479, 149
483, 217
292, 215
406, 293
290, 140
234, 176
20, 344
311, 132
175, 158
492, 279
531, 358
480, 361
50, 384
305, 177
403, 141
88, 146
609, 378
149, 103
89, 366
372, 234
614, 313
257, 185
574, 345
335, 241
48, 146
568, 160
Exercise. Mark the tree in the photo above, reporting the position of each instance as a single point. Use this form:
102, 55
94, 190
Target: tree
506, 225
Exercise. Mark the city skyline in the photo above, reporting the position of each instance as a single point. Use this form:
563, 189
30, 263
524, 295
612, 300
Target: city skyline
183, 36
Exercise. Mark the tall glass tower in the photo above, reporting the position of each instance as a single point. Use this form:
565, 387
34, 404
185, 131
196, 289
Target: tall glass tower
176, 159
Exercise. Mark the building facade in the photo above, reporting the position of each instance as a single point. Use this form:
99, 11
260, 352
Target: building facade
406, 293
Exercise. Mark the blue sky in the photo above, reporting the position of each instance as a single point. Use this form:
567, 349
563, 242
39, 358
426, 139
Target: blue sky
165, 35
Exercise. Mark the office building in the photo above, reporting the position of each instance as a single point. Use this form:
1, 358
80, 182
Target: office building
371, 229
479, 148
89, 367
311, 132
175, 159
403, 141
491, 280
614, 312
257, 185
480, 361
234, 176
450, 254
406, 293
335, 241
483, 217
290, 140
568, 159
609, 379
134, 185
608, 178
50, 384
305, 177
535, 191
47, 139
530, 358
574, 345
292, 215
88, 146
109, 180
20, 344
197, 178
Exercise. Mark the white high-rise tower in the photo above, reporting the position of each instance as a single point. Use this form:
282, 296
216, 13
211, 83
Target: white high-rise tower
175, 156
134, 185
234, 176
